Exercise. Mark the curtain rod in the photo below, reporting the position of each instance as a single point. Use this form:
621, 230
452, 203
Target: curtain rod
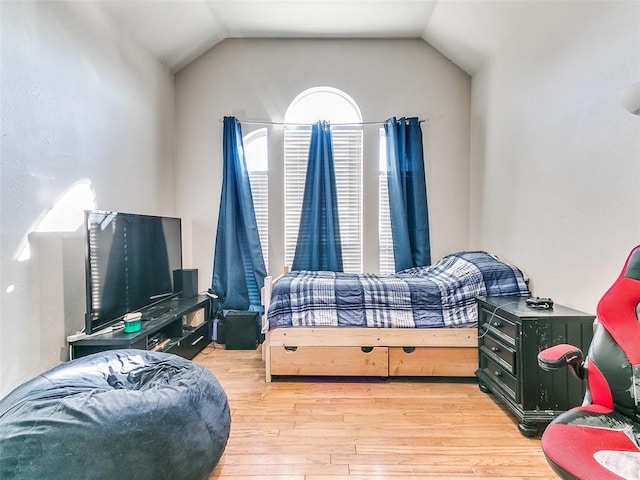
293, 124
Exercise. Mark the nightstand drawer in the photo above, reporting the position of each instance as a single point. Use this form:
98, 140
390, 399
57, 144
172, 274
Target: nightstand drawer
501, 328
502, 377
500, 353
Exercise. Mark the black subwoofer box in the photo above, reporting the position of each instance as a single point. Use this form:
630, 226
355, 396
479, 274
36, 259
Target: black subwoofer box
186, 281
241, 330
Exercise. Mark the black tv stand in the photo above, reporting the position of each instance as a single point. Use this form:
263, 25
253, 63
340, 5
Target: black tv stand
178, 325
155, 311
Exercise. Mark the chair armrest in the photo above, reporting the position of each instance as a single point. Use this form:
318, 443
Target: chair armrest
559, 356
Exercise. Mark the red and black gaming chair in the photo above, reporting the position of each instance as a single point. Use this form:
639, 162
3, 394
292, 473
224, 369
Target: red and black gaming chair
600, 440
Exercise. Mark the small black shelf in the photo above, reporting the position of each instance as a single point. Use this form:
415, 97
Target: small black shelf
165, 319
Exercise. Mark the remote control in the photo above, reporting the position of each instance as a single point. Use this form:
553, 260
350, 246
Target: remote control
539, 302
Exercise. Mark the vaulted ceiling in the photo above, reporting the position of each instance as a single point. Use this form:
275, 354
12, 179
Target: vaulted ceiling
465, 31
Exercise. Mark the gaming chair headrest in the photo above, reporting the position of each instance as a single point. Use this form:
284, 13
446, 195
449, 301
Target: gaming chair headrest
633, 265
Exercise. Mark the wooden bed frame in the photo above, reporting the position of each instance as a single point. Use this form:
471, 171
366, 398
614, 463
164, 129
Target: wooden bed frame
362, 351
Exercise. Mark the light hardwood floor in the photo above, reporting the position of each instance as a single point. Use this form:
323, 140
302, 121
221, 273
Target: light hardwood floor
365, 429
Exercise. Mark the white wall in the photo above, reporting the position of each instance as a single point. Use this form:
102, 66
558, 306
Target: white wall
258, 79
555, 157
79, 101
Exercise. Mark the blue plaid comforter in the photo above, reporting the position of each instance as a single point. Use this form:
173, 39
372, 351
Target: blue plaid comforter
440, 295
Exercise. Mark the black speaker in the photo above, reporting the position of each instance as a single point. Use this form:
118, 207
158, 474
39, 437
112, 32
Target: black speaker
241, 330
186, 281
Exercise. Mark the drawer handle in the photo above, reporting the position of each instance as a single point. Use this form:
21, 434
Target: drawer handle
366, 349
497, 374
290, 349
200, 338
408, 349
495, 349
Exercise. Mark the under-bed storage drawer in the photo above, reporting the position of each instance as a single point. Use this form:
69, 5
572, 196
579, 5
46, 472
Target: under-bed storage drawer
330, 361
433, 361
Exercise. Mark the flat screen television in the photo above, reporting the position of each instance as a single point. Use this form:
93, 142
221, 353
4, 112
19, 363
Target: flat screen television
129, 266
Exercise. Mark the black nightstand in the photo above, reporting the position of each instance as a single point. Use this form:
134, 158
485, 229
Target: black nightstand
510, 336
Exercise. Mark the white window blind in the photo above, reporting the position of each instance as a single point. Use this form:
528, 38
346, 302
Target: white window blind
296, 151
386, 262
347, 156
256, 156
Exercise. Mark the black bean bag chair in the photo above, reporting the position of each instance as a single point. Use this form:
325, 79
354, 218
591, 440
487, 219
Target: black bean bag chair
120, 414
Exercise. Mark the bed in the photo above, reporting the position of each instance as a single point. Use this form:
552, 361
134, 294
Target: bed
417, 322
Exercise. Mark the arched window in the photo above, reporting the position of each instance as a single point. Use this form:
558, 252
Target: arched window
256, 155
325, 103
